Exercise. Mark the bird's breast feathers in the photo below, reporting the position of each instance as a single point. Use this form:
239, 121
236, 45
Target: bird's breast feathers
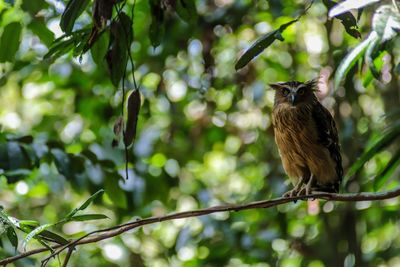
296, 135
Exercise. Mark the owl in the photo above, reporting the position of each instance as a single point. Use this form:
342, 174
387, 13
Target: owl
307, 139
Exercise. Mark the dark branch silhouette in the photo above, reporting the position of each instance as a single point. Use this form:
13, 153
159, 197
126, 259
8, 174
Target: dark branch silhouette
106, 233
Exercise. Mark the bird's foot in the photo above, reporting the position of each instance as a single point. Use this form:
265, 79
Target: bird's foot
308, 188
291, 193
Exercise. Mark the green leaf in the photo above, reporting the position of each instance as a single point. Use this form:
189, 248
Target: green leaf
386, 22
346, 6
85, 204
107, 164
387, 171
39, 28
12, 236
60, 48
351, 58
17, 158
62, 162
262, 43
186, 10
28, 225
9, 41
347, 19
72, 11
34, 233
374, 45
99, 49
4, 217
33, 7
88, 217
378, 64
387, 138
91, 199
66, 43
51, 236
113, 191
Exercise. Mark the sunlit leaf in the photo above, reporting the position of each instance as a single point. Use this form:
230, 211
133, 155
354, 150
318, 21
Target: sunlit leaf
348, 5
369, 53
386, 22
29, 225
382, 177
261, 44
34, 233
347, 19
72, 11
351, 58
9, 41
378, 64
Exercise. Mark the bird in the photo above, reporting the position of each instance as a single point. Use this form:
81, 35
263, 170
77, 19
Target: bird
307, 139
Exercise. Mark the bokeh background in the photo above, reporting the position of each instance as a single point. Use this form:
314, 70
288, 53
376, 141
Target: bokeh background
204, 138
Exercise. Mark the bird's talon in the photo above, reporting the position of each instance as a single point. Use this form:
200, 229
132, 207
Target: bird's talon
290, 193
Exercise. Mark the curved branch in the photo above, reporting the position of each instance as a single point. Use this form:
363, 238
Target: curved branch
106, 233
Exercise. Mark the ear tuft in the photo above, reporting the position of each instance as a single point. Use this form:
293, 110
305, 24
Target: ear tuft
312, 84
276, 86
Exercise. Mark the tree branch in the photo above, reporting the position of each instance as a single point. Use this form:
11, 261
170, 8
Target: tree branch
107, 233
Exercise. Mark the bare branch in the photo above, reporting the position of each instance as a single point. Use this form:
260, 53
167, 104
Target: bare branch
68, 256
107, 233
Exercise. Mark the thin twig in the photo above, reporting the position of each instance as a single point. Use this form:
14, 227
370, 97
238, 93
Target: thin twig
128, 46
68, 256
119, 229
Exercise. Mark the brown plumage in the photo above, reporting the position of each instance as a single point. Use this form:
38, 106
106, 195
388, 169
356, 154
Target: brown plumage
307, 138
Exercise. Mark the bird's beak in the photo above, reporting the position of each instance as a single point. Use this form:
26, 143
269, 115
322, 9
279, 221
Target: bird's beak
292, 99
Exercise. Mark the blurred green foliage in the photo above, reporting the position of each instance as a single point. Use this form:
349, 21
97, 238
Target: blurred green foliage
204, 130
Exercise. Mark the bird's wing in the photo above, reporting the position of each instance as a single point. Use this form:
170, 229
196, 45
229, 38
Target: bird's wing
328, 135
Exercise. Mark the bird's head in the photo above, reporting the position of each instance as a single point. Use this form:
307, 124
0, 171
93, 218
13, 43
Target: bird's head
294, 92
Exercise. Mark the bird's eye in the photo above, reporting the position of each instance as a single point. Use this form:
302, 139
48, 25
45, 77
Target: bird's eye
300, 91
285, 91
